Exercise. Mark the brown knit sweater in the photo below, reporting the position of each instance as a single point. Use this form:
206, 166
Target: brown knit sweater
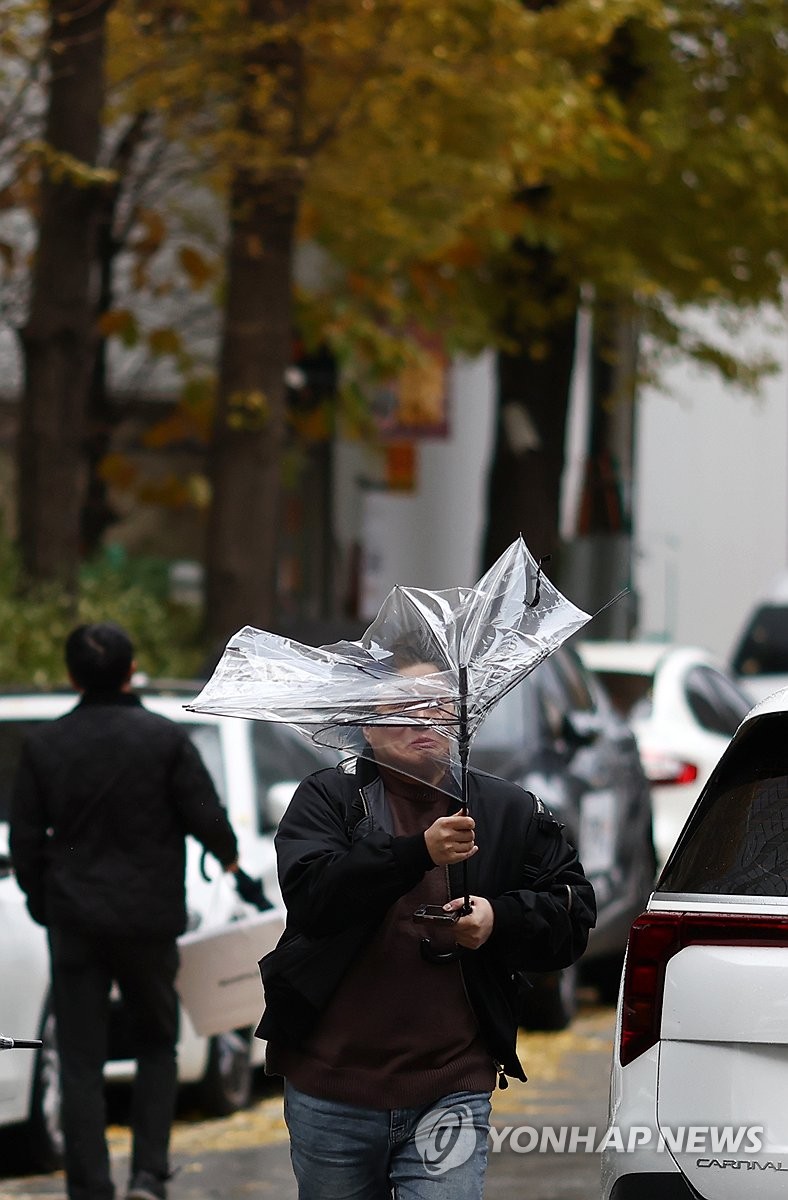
399, 1032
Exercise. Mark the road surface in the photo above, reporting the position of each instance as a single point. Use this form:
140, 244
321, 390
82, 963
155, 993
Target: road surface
245, 1156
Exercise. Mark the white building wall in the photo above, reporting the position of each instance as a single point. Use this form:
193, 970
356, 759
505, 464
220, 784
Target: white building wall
711, 497
711, 477
431, 536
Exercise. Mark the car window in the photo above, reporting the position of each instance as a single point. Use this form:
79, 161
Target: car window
282, 756
555, 695
736, 842
12, 735
763, 649
716, 704
504, 725
209, 744
514, 720
570, 673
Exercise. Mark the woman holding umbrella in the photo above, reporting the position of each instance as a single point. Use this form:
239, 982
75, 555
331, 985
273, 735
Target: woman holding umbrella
391, 1000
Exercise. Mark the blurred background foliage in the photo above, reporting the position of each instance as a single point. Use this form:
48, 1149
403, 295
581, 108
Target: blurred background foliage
456, 174
131, 591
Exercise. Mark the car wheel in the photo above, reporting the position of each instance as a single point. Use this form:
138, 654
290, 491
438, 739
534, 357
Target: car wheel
43, 1132
227, 1083
551, 1002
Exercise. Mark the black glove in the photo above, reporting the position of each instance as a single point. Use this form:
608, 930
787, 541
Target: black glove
251, 890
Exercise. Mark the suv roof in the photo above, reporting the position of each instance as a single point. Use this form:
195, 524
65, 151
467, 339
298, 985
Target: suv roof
17, 705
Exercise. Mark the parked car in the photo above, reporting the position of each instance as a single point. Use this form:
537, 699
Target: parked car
559, 736
701, 1036
256, 768
760, 656
684, 708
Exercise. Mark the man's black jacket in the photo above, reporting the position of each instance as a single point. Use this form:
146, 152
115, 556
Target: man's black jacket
340, 872
104, 798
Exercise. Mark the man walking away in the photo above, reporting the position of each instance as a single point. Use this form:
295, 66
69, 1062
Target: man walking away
104, 799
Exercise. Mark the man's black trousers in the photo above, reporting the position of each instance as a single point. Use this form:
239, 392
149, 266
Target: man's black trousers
83, 968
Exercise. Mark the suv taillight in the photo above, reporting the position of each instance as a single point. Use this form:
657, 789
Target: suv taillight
653, 940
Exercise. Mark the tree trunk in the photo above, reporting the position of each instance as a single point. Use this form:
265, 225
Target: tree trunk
59, 338
257, 341
601, 555
101, 415
607, 495
524, 488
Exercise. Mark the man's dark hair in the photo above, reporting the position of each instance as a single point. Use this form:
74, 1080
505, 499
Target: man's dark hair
99, 657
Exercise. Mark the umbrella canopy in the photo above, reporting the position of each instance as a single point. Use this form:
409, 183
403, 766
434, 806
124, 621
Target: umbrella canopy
415, 688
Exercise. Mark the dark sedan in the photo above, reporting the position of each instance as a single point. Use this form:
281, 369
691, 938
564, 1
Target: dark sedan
557, 735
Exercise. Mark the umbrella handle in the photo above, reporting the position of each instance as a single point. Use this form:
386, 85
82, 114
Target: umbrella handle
464, 748
467, 906
430, 955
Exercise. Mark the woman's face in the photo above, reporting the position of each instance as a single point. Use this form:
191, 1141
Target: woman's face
420, 751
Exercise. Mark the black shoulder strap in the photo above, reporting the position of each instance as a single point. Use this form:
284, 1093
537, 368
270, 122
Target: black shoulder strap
542, 830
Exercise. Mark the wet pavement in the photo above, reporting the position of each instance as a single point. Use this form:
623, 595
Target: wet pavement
247, 1155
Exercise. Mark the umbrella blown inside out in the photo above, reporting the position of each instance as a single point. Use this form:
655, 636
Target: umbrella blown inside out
418, 683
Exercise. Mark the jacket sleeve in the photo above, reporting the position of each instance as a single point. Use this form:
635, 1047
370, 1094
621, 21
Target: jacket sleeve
198, 805
330, 880
544, 925
28, 835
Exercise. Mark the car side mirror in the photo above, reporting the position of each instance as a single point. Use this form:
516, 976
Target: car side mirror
278, 799
581, 728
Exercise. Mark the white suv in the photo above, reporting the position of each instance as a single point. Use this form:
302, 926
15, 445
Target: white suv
700, 1064
256, 767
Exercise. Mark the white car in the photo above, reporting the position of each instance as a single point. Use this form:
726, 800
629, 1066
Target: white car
683, 707
700, 1061
256, 767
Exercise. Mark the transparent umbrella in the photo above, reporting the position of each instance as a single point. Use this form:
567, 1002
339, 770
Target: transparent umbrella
412, 692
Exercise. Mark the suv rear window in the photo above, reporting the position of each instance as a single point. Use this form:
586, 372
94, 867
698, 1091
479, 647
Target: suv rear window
736, 843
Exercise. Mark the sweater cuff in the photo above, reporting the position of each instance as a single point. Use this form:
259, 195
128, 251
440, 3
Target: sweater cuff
514, 918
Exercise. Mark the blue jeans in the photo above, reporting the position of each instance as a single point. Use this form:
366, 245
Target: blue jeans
344, 1152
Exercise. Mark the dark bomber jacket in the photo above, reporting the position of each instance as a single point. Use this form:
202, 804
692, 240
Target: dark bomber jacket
340, 871
103, 800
